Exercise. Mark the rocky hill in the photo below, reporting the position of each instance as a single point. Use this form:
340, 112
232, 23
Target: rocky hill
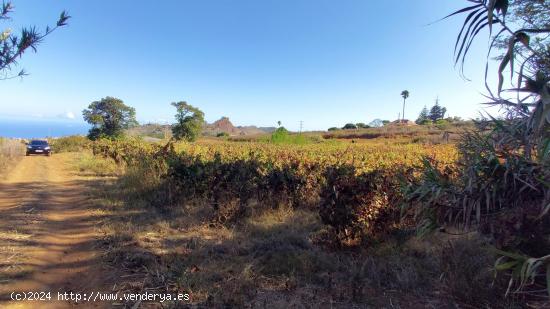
221, 125
224, 125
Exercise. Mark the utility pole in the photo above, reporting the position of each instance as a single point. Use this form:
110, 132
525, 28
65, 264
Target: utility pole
301, 125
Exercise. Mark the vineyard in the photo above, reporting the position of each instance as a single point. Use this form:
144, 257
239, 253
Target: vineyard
356, 188
330, 218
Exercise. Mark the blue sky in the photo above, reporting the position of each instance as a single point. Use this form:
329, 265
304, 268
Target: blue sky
256, 61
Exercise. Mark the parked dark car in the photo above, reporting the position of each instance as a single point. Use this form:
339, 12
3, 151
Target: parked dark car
39, 147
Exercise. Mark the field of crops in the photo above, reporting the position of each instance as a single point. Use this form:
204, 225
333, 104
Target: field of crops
357, 188
336, 196
366, 156
376, 154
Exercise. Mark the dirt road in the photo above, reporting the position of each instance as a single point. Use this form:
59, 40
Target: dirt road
47, 234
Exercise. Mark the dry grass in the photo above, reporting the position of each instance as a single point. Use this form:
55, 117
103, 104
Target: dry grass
269, 260
89, 165
11, 266
12, 237
11, 151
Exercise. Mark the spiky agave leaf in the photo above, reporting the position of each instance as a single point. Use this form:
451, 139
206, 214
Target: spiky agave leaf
480, 16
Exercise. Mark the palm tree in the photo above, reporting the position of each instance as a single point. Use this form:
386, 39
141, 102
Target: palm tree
405, 95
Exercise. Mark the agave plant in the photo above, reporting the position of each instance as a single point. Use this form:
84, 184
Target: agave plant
492, 14
503, 182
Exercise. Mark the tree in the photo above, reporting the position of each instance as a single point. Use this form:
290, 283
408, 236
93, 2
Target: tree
361, 125
349, 126
109, 118
423, 116
405, 95
13, 46
385, 122
437, 112
333, 129
376, 123
279, 123
189, 121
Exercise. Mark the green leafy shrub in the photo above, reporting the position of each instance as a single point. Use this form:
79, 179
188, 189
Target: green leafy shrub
441, 124
74, 143
281, 135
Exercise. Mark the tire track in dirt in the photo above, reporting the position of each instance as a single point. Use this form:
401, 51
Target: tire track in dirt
47, 234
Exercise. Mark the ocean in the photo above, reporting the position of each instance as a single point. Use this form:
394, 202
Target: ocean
21, 128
